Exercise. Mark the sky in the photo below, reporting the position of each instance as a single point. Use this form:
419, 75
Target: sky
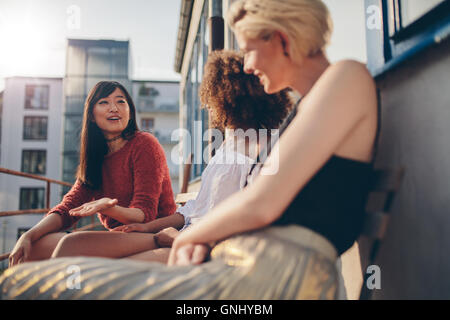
33, 33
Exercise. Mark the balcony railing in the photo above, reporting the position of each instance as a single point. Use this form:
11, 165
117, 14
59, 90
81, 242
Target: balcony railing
164, 138
92, 225
149, 105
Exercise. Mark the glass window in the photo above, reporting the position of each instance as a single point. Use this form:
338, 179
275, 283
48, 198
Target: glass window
147, 124
35, 128
119, 62
72, 124
75, 86
145, 91
76, 61
36, 96
75, 105
415, 9
187, 143
31, 198
70, 164
21, 231
396, 30
196, 118
71, 142
99, 61
72, 131
34, 161
92, 81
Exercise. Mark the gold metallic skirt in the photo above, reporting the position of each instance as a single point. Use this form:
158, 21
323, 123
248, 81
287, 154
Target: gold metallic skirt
289, 262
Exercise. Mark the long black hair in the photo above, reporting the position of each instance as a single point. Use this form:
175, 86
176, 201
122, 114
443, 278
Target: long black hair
93, 145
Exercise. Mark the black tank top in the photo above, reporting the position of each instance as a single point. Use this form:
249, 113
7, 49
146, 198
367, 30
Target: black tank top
333, 202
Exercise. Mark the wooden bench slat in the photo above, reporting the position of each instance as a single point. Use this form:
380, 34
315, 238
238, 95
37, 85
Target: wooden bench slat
387, 180
182, 198
375, 225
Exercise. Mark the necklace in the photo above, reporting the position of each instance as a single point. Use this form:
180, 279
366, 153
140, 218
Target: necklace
114, 139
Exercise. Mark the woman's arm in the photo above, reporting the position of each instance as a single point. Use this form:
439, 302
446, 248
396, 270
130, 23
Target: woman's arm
108, 207
342, 99
77, 196
124, 215
175, 220
149, 169
22, 249
49, 224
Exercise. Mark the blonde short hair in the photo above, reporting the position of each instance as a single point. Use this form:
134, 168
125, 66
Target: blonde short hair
306, 23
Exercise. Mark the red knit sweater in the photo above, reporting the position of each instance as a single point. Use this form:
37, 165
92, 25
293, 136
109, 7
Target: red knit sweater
137, 176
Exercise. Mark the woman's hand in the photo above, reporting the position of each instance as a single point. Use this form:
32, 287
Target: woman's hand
187, 253
21, 250
133, 227
93, 207
165, 238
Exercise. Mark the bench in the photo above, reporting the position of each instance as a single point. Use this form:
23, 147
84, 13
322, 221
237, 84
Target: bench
184, 196
365, 250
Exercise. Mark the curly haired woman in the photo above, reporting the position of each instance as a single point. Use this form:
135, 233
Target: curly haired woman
237, 104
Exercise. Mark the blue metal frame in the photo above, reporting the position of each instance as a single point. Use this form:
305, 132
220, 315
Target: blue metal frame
386, 51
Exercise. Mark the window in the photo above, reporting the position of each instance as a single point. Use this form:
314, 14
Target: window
98, 61
35, 128
148, 91
34, 161
147, 124
36, 96
76, 57
21, 231
119, 63
412, 10
196, 118
31, 198
398, 29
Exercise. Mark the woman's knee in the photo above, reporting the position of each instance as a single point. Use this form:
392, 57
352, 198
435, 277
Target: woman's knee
67, 244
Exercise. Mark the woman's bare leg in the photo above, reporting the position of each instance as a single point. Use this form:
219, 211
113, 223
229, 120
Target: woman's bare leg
104, 244
157, 255
43, 248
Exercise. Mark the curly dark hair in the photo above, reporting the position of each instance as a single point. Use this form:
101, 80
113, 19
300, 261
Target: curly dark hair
237, 100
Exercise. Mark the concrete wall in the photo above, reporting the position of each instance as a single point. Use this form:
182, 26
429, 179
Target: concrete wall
415, 98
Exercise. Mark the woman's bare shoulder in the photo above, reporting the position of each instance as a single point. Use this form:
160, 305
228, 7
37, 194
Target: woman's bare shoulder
345, 95
348, 83
352, 70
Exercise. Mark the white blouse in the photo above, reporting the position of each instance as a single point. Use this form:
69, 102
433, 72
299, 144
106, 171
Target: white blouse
225, 174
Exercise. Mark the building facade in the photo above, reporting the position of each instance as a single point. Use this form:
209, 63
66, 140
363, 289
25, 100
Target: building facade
31, 143
157, 112
201, 29
1, 112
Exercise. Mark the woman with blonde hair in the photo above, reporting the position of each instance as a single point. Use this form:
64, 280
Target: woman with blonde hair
279, 237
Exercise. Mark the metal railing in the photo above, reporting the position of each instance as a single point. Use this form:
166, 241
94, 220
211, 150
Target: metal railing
149, 105
164, 138
47, 202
